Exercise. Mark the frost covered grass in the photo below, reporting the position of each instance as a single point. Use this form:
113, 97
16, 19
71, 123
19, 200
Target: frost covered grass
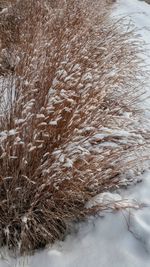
70, 127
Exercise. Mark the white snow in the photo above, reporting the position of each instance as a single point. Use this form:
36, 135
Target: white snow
114, 239
54, 123
119, 239
40, 116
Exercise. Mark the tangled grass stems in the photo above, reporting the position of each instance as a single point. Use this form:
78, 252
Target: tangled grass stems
69, 124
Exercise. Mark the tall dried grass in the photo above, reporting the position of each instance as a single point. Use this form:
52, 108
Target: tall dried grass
69, 125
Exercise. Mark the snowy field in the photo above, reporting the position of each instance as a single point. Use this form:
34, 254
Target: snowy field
120, 239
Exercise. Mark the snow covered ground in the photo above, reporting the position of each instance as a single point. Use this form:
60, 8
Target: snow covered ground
120, 239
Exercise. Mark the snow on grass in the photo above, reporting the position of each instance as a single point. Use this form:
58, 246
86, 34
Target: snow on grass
120, 239
139, 14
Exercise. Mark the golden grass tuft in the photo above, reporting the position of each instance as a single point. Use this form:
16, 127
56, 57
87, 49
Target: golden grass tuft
69, 123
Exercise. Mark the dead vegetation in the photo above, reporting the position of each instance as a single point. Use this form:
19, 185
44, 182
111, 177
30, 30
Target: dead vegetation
69, 123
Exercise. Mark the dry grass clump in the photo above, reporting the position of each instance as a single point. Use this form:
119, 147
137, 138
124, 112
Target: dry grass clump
69, 125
